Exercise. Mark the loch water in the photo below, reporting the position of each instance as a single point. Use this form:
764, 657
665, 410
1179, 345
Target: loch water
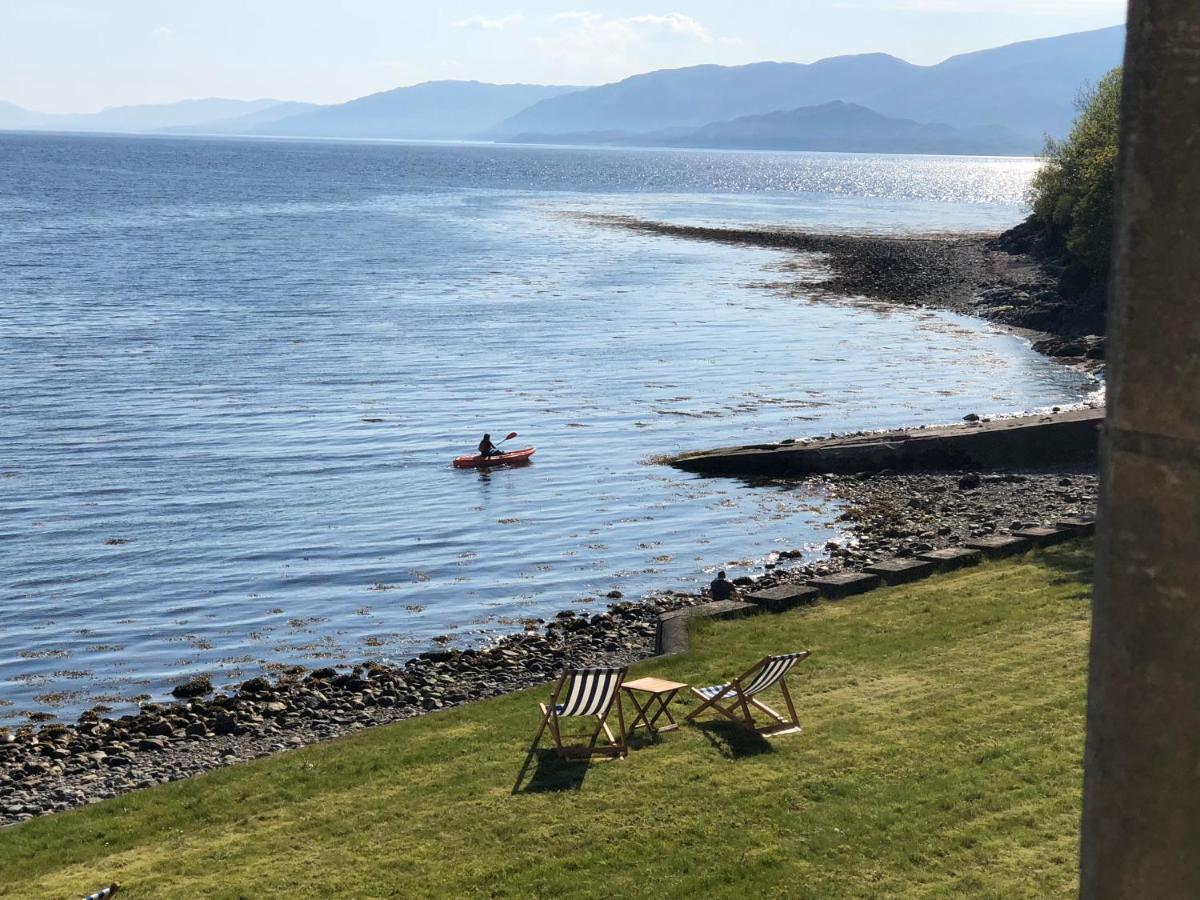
234, 374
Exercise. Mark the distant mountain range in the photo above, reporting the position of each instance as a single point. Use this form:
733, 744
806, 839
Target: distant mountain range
1027, 87
999, 101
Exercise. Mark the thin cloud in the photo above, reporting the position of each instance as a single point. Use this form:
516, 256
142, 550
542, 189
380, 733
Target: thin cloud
587, 32
485, 24
595, 45
163, 32
674, 24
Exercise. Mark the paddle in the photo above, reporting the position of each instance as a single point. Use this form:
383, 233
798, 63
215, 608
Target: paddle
509, 438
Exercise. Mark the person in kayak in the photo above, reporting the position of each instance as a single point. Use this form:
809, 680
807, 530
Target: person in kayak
722, 588
487, 448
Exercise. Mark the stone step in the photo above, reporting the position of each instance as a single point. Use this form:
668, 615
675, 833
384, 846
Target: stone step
845, 584
1079, 526
949, 558
901, 571
1045, 535
1000, 545
784, 597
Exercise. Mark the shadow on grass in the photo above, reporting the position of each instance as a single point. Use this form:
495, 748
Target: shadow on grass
731, 740
643, 739
1072, 563
552, 774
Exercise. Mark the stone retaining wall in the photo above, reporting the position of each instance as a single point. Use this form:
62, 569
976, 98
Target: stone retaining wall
672, 634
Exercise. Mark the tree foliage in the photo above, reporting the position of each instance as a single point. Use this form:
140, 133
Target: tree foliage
1074, 190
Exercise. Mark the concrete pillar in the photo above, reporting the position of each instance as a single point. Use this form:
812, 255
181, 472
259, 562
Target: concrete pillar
1141, 809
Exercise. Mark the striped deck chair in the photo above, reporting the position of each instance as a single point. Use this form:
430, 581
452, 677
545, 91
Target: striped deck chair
735, 699
589, 693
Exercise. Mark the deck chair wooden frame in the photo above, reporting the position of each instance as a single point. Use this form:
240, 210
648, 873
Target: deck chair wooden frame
736, 699
598, 708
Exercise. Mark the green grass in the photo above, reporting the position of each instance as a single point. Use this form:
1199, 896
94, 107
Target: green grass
943, 733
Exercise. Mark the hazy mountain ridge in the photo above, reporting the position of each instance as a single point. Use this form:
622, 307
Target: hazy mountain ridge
433, 109
833, 126
16, 117
246, 123
133, 119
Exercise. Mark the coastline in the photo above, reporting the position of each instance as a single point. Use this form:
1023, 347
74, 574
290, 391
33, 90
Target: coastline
985, 275
54, 766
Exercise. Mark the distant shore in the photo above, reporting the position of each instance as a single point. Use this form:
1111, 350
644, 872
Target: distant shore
975, 274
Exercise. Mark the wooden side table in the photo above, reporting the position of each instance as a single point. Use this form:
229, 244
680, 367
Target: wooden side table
659, 692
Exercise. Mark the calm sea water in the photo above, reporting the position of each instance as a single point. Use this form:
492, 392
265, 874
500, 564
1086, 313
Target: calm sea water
235, 373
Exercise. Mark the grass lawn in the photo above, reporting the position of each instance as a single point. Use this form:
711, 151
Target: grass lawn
941, 755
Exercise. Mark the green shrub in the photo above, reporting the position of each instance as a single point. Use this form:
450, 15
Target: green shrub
1074, 190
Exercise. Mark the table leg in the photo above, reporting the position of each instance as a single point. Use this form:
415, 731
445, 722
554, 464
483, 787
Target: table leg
664, 701
641, 711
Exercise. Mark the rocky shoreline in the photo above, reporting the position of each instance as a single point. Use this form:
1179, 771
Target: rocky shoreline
995, 277
55, 767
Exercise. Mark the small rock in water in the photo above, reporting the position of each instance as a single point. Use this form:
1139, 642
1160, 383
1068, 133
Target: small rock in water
197, 687
257, 685
971, 417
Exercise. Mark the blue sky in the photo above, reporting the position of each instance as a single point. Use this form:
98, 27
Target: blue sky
81, 55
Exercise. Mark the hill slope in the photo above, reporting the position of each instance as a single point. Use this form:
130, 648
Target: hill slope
834, 126
1030, 86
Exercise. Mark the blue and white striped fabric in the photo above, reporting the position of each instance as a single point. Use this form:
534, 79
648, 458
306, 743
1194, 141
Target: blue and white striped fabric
590, 693
776, 667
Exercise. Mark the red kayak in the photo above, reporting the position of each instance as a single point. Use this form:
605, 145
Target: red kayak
504, 459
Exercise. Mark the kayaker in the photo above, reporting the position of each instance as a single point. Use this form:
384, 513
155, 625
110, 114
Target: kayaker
722, 588
487, 448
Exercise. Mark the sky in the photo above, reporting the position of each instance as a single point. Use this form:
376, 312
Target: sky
83, 55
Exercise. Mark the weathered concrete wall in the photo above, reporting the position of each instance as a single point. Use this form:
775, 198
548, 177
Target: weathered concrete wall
1018, 441
1141, 816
